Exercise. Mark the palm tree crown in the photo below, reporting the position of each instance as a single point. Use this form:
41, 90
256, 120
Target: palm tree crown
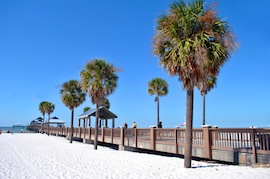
99, 80
158, 86
192, 42
207, 85
71, 94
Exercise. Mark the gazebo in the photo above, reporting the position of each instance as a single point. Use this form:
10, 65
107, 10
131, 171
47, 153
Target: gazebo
57, 121
104, 115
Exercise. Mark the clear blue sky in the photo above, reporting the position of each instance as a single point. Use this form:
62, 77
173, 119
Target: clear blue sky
44, 43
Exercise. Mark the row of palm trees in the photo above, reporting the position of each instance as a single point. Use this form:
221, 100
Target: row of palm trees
46, 107
159, 87
98, 80
191, 42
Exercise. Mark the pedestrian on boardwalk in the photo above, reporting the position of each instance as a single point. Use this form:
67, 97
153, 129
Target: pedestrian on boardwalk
125, 125
134, 125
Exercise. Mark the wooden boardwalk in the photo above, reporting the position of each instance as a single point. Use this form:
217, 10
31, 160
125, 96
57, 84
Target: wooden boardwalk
236, 145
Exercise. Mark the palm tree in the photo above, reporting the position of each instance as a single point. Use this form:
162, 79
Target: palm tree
159, 87
192, 42
49, 108
99, 80
72, 96
106, 103
43, 112
86, 109
205, 87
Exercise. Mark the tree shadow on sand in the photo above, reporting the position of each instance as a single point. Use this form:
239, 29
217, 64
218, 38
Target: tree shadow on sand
209, 166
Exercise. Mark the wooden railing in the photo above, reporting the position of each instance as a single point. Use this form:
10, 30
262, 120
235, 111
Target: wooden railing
205, 140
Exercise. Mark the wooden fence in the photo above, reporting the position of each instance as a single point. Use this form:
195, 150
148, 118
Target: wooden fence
207, 142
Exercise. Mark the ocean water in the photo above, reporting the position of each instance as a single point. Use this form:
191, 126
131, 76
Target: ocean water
15, 129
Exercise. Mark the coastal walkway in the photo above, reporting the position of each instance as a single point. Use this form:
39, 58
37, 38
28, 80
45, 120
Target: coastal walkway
245, 146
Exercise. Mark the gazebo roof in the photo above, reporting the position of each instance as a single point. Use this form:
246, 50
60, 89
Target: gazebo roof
104, 113
56, 120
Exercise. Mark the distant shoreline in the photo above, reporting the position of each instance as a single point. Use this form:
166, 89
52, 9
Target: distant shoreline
15, 129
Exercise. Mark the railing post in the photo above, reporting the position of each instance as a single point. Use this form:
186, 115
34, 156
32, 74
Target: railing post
135, 138
103, 133
112, 135
122, 136
254, 150
89, 131
84, 133
176, 141
207, 142
153, 138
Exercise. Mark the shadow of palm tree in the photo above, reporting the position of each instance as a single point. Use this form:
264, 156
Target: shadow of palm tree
208, 166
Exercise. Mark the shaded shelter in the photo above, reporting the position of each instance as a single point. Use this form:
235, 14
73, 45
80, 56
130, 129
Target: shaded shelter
56, 121
104, 116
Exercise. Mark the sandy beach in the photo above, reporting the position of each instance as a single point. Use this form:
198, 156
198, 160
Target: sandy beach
41, 156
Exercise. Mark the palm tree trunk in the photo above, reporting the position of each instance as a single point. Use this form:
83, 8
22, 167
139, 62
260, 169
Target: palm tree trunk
49, 125
158, 111
188, 131
43, 123
72, 121
96, 128
203, 117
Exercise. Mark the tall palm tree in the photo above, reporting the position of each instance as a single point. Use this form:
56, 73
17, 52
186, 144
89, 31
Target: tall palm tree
205, 87
99, 80
49, 108
159, 87
41, 108
86, 109
192, 42
72, 96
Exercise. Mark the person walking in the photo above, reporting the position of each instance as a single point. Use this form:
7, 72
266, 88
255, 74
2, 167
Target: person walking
125, 125
134, 125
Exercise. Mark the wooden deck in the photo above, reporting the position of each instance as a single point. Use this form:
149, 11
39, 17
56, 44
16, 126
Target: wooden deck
238, 145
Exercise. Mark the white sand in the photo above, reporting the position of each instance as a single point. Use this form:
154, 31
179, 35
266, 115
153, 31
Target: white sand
40, 156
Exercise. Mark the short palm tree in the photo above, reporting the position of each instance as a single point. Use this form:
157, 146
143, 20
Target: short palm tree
42, 110
159, 87
49, 108
72, 96
205, 87
192, 42
99, 80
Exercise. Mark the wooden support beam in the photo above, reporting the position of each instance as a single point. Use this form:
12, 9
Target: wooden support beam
207, 142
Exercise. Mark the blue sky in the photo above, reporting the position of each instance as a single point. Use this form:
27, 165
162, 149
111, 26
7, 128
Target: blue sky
44, 43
